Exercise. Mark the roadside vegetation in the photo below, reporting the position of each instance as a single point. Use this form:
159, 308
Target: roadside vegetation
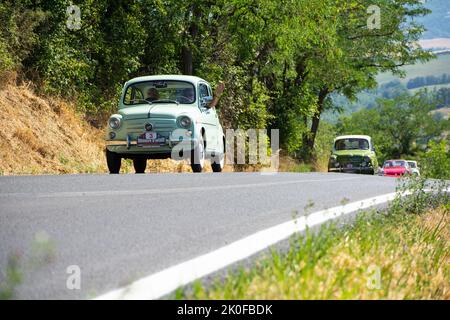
295, 56
401, 253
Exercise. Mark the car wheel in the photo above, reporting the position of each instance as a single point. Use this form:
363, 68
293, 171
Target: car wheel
218, 164
114, 161
198, 156
140, 164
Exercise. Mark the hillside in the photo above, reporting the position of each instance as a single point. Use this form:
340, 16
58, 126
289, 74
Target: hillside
437, 22
437, 66
436, 38
390, 85
45, 136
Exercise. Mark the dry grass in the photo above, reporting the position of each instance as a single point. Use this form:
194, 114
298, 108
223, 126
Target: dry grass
45, 136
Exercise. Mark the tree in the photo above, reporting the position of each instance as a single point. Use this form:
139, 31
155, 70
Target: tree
364, 52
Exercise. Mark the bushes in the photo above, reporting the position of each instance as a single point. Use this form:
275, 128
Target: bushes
436, 161
279, 59
18, 35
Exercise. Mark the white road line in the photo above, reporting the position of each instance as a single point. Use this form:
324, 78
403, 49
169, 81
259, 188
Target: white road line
164, 282
163, 191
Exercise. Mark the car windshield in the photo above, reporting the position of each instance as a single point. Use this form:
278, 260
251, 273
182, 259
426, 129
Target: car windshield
412, 164
399, 163
160, 91
352, 144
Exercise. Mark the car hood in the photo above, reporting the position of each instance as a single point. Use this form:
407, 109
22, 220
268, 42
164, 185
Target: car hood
160, 110
352, 153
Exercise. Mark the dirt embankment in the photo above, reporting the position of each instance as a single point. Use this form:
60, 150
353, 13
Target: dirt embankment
45, 136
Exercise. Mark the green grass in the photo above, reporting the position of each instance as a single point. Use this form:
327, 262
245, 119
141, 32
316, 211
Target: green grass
382, 256
302, 168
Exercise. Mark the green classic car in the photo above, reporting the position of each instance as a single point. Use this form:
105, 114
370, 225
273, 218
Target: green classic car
163, 117
353, 153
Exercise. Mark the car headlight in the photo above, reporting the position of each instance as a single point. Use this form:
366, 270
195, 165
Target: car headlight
114, 123
184, 122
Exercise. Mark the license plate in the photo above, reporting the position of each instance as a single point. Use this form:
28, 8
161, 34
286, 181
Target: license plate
150, 139
150, 136
349, 166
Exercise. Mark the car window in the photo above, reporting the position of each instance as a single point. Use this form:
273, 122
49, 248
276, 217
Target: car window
389, 164
412, 165
352, 144
133, 93
159, 91
203, 92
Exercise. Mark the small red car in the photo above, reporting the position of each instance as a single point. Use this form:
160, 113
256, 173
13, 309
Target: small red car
396, 168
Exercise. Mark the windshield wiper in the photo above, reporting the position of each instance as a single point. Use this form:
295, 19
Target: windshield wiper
166, 100
141, 100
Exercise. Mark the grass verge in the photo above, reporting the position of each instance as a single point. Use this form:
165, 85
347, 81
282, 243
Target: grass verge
394, 255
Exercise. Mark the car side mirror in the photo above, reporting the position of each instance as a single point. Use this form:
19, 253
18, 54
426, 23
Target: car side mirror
206, 101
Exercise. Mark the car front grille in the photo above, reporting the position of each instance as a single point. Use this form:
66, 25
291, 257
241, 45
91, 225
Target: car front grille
159, 125
350, 159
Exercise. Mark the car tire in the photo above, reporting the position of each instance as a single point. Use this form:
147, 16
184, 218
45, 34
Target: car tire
218, 166
198, 156
139, 164
113, 161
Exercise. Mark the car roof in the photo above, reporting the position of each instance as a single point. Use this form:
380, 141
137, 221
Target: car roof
193, 79
396, 160
353, 137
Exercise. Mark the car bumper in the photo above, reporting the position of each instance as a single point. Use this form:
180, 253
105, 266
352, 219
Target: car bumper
352, 170
131, 146
393, 175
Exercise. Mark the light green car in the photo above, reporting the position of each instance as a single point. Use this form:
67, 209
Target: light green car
166, 116
353, 153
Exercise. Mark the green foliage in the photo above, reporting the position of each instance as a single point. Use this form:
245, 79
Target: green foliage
323, 144
12, 277
400, 127
280, 59
436, 161
18, 36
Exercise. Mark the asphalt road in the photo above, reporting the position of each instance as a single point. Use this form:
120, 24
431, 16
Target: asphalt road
118, 229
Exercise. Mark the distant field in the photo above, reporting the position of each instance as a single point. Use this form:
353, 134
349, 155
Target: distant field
435, 43
431, 88
436, 67
445, 112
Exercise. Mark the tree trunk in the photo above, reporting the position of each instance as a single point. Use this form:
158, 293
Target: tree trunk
188, 67
187, 50
310, 138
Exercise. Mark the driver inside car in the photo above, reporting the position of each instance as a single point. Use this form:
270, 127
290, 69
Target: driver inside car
152, 95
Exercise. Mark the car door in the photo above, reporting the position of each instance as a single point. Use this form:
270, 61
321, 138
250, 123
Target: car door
209, 118
219, 129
